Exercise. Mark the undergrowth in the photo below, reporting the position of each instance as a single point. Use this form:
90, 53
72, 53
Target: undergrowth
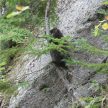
15, 38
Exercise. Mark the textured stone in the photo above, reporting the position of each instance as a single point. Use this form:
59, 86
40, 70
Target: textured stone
47, 89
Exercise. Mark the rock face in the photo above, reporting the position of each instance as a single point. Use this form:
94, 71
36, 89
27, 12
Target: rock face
48, 85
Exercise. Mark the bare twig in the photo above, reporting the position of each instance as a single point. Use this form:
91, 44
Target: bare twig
47, 11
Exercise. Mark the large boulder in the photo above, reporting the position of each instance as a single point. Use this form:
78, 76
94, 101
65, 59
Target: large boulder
48, 87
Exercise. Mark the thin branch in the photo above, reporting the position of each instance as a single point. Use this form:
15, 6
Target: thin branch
47, 11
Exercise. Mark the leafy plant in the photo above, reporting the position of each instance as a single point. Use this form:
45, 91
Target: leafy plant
13, 29
15, 38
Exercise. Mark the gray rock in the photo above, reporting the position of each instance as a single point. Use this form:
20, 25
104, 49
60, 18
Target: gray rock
47, 86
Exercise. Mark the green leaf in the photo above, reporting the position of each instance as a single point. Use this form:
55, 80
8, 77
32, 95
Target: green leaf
105, 3
13, 14
96, 31
3, 64
2, 69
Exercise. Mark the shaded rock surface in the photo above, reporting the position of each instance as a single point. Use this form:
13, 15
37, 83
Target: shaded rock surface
47, 88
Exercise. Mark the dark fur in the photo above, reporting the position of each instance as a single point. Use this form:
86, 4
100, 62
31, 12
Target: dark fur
56, 33
57, 57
